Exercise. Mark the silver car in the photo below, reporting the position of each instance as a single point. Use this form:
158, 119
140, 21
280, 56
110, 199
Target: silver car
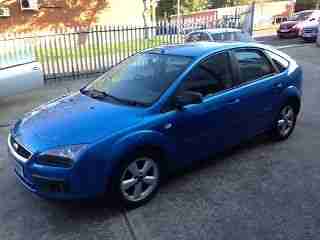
19, 73
219, 34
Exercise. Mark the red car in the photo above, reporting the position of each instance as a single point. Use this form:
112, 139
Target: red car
293, 27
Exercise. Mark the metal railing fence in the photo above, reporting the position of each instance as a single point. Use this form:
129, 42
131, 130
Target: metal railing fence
82, 51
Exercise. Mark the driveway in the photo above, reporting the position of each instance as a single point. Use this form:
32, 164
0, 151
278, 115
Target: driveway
260, 190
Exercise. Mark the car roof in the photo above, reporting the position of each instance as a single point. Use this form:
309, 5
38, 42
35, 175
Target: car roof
305, 11
308, 11
200, 49
218, 30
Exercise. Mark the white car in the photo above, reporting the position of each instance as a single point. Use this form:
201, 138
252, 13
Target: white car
310, 32
318, 37
218, 34
19, 74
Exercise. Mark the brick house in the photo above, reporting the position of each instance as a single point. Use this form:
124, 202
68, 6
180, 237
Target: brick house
53, 14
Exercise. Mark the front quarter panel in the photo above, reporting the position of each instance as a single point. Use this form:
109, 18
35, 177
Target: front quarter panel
130, 143
104, 158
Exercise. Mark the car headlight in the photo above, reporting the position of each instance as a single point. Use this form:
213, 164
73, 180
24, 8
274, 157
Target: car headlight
61, 157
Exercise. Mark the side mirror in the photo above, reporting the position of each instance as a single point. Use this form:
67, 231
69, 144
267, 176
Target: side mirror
187, 98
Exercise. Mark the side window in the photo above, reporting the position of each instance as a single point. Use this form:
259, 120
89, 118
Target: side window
280, 62
217, 36
253, 65
193, 37
243, 37
228, 36
211, 76
204, 37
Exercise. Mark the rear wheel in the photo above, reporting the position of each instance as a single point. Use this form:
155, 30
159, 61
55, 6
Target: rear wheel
285, 122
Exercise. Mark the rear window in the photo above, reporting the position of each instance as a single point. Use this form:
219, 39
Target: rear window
281, 63
232, 36
253, 65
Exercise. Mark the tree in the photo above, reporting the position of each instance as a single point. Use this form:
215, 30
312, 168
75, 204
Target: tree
308, 4
144, 16
167, 8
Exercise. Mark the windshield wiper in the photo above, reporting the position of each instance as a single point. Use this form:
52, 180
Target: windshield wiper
94, 93
132, 102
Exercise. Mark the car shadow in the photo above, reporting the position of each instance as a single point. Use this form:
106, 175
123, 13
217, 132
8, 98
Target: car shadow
213, 161
98, 207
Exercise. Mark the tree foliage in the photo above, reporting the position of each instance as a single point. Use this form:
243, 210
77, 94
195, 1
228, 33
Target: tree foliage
169, 7
308, 4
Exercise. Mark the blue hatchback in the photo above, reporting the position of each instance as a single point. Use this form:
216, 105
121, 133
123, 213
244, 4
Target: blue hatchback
157, 111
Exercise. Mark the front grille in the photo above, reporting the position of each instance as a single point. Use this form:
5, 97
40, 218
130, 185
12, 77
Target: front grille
50, 185
309, 30
285, 27
55, 161
19, 149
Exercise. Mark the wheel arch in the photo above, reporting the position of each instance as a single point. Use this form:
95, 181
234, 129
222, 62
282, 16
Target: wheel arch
150, 142
292, 95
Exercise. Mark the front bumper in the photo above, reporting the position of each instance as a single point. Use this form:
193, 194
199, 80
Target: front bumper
310, 37
288, 34
46, 181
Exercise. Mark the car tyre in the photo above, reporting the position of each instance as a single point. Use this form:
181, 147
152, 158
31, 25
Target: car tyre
285, 122
137, 180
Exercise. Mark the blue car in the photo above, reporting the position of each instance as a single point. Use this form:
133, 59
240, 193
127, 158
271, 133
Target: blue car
158, 111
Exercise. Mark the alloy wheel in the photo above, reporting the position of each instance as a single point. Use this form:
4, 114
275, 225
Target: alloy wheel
139, 179
286, 121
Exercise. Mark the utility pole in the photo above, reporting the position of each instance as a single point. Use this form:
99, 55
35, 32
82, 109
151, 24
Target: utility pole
178, 12
318, 4
252, 17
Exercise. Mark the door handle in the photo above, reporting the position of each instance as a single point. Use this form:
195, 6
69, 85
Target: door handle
234, 101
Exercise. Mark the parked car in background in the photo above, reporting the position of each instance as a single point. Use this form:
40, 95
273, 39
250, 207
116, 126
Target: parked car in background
277, 19
188, 28
310, 32
294, 26
155, 112
318, 36
19, 74
218, 34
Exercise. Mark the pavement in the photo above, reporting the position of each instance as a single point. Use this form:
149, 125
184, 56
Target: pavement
259, 190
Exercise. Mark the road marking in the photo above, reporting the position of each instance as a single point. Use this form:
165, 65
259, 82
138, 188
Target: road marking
291, 46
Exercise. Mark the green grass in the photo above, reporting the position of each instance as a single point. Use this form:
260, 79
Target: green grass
122, 48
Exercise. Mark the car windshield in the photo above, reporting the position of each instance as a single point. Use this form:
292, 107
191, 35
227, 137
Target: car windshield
140, 79
300, 16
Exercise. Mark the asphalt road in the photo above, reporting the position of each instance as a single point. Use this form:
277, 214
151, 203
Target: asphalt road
260, 190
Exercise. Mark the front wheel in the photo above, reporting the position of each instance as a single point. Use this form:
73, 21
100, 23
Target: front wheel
285, 122
137, 181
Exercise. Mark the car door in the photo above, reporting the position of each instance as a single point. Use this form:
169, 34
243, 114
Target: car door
204, 128
19, 78
258, 88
